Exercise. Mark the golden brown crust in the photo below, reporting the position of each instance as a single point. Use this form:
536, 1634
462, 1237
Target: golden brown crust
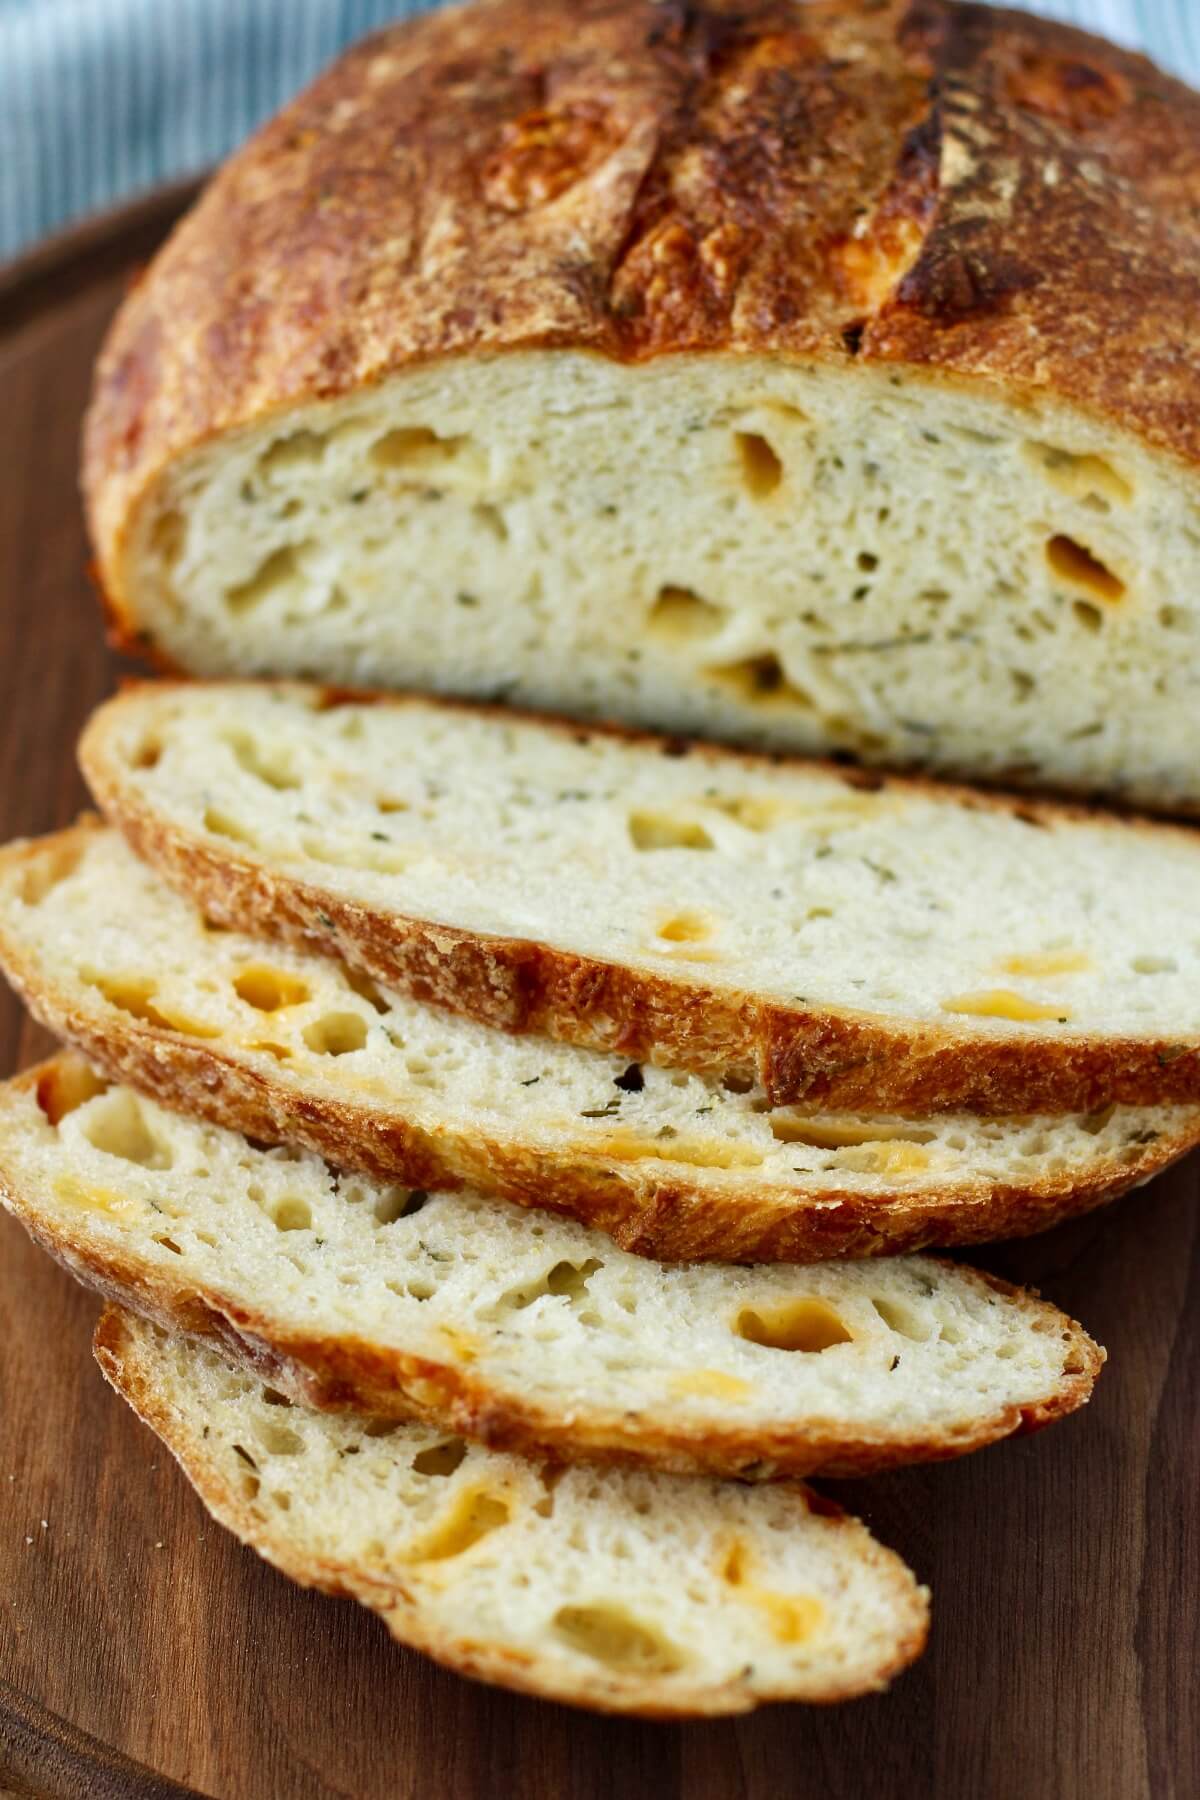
857, 1062
648, 1208
116, 1351
959, 192
343, 1373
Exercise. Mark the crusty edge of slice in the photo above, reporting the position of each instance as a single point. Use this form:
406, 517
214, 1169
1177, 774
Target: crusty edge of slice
832, 1057
649, 1208
120, 1354
338, 1372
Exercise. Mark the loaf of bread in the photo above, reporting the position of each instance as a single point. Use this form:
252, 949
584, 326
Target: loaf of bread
544, 1579
850, 940
815, 376
523, 1330
291, 1047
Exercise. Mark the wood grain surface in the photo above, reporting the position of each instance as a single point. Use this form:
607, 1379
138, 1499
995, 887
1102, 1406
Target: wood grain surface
143, 1653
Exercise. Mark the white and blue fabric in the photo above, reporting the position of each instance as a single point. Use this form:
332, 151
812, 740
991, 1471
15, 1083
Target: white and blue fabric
102, 98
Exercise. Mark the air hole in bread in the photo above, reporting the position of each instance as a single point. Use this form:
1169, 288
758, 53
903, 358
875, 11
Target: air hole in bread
900, 1318
612, 1636
753, 812
440, 1460
398, 1203
1003, 1003
336, 1034
1080, 477
300, 449
365, 988
1074, 563
167, 536
135, 995
473, 1515
43, 874
668, 1146
491, 519
762, 471
686, 928
270, 765
792, 1617
380, 857
279, 1440
760, 681
711, 1384
664, 831
680, 616
551, 1474
386, 804
1087, 615
222, 824
147, 754
169, 1243
117, 1126
417, 450
806, 1325
1153, 965
68, 1084
1094, 1123
275, 572
831, 1134
292, 1214
1063, 961
566, 1280
737, 1081
270, 990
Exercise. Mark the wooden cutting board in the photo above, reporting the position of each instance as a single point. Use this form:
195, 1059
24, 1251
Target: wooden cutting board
143, 1653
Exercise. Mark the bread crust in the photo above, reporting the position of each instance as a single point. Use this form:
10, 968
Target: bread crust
116, 1351
949, 191
344, 1373
647, 1208
858, 1062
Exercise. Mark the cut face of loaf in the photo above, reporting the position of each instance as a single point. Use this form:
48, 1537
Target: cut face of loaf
620, 1590
290, 1046
795, 558
514, 1327
599, 380
856, 942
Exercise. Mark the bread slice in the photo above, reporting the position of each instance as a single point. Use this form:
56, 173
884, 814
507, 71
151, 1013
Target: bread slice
622, 1590
599, 378
514, 1327
292, 1047
883, 945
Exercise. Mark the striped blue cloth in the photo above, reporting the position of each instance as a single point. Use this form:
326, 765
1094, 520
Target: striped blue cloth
100, 98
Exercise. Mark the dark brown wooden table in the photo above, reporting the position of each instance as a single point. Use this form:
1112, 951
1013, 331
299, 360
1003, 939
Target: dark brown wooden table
140, 1648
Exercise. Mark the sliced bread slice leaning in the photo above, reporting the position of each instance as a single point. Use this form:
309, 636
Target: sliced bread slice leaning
290, 1046
623, 1590
523, 1330
856, 941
